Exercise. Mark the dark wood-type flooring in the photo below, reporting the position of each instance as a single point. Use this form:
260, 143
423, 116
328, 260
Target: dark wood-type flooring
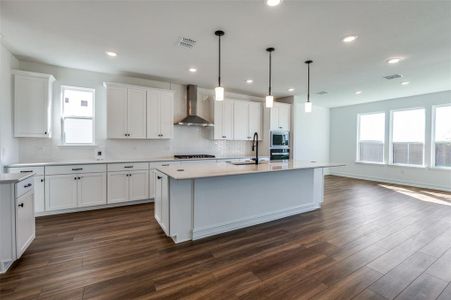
369, 241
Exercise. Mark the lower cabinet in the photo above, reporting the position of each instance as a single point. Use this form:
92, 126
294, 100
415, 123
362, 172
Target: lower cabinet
39, 184
75, 190
161, 207
25, 222
152, 176
126, 186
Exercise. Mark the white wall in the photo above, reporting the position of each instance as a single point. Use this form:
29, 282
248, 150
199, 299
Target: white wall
343, 141
8, 145
186, 139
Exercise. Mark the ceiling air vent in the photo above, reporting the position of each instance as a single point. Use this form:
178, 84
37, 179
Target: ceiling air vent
322, 93
393, 76
186, 42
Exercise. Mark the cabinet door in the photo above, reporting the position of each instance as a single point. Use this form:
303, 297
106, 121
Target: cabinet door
92, 189
153, 114
117, 112
241, 120
118, 187
274, 117
227, 120
166, 115
157, 200
139, 185
218, 116
284, 117
255, 119
25, 223
60, 192
39, 200
31, 106
136, 113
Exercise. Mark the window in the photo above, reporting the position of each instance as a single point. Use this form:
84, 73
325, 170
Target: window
442, 136
371, 137
408, 135
77, 115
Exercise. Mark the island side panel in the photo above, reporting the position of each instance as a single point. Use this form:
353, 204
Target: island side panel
181, 209
318, 185
226, 203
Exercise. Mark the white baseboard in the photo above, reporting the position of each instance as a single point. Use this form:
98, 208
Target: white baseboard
80, 209
392, 181
209, 231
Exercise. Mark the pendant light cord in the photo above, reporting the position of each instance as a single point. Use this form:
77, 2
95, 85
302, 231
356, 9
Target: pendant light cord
270, 63
308, 83
219, 62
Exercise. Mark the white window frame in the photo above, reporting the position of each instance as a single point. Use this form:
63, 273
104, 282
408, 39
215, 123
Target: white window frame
63, 138
357, 159
390, 144
433, 124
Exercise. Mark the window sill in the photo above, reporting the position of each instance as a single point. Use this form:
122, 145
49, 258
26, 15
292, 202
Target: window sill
408, 166
78, 145
370, 163
441, 168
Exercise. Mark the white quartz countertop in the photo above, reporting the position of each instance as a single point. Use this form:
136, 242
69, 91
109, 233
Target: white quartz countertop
13, 178
228, 169
113, 161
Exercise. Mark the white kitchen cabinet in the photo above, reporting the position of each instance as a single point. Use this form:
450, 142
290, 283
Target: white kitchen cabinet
39, 185
32, 104
126, 112
223, 114
25, 222
152, 176
247, 119
160, 114
124, 186
61, 192
91, 189
280, 116
161, 208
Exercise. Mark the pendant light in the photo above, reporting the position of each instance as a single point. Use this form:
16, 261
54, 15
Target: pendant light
269, 97
308, 104
219, 90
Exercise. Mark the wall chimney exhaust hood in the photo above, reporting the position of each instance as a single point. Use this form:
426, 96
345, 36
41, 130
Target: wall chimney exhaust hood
193, 119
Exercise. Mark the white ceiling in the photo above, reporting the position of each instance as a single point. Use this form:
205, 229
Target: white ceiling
76, 34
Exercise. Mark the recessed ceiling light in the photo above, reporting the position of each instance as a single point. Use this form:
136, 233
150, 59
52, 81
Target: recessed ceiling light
249, 81
349, 38
291, 89
358, 92
273, 2
193, 70
394, 60
111, 53
405, 83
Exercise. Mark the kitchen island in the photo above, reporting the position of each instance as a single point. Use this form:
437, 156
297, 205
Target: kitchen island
194, 202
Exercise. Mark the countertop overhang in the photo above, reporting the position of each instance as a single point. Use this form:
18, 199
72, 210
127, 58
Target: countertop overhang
228, 169
13, 178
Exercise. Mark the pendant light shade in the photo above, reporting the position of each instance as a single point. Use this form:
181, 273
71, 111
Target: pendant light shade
219, 90
308, 104
269, 97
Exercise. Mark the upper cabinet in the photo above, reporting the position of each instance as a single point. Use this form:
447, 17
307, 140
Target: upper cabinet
135, 112
223, 114
32, 104
280, 116
126, 112
160, 114
247, 119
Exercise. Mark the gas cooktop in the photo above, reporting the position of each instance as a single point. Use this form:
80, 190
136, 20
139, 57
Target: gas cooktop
192, 156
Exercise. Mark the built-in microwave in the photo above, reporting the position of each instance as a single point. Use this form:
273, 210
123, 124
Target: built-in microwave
280, 139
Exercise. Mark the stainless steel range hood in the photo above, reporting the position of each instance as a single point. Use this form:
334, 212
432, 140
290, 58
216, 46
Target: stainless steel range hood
193, 119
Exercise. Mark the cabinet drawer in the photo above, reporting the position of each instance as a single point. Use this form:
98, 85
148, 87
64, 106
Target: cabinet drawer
128, 167
75, 169
36, 170
24, 186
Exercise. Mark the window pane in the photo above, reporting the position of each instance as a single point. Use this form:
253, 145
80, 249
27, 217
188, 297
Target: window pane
443, 124
443, 154
77, 102
371, 137
78, 131
409, 126
408, 153
372, 127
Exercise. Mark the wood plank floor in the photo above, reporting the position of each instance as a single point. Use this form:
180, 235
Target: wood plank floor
369, 241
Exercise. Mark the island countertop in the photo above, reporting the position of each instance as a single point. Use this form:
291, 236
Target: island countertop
13, 178
228, 169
